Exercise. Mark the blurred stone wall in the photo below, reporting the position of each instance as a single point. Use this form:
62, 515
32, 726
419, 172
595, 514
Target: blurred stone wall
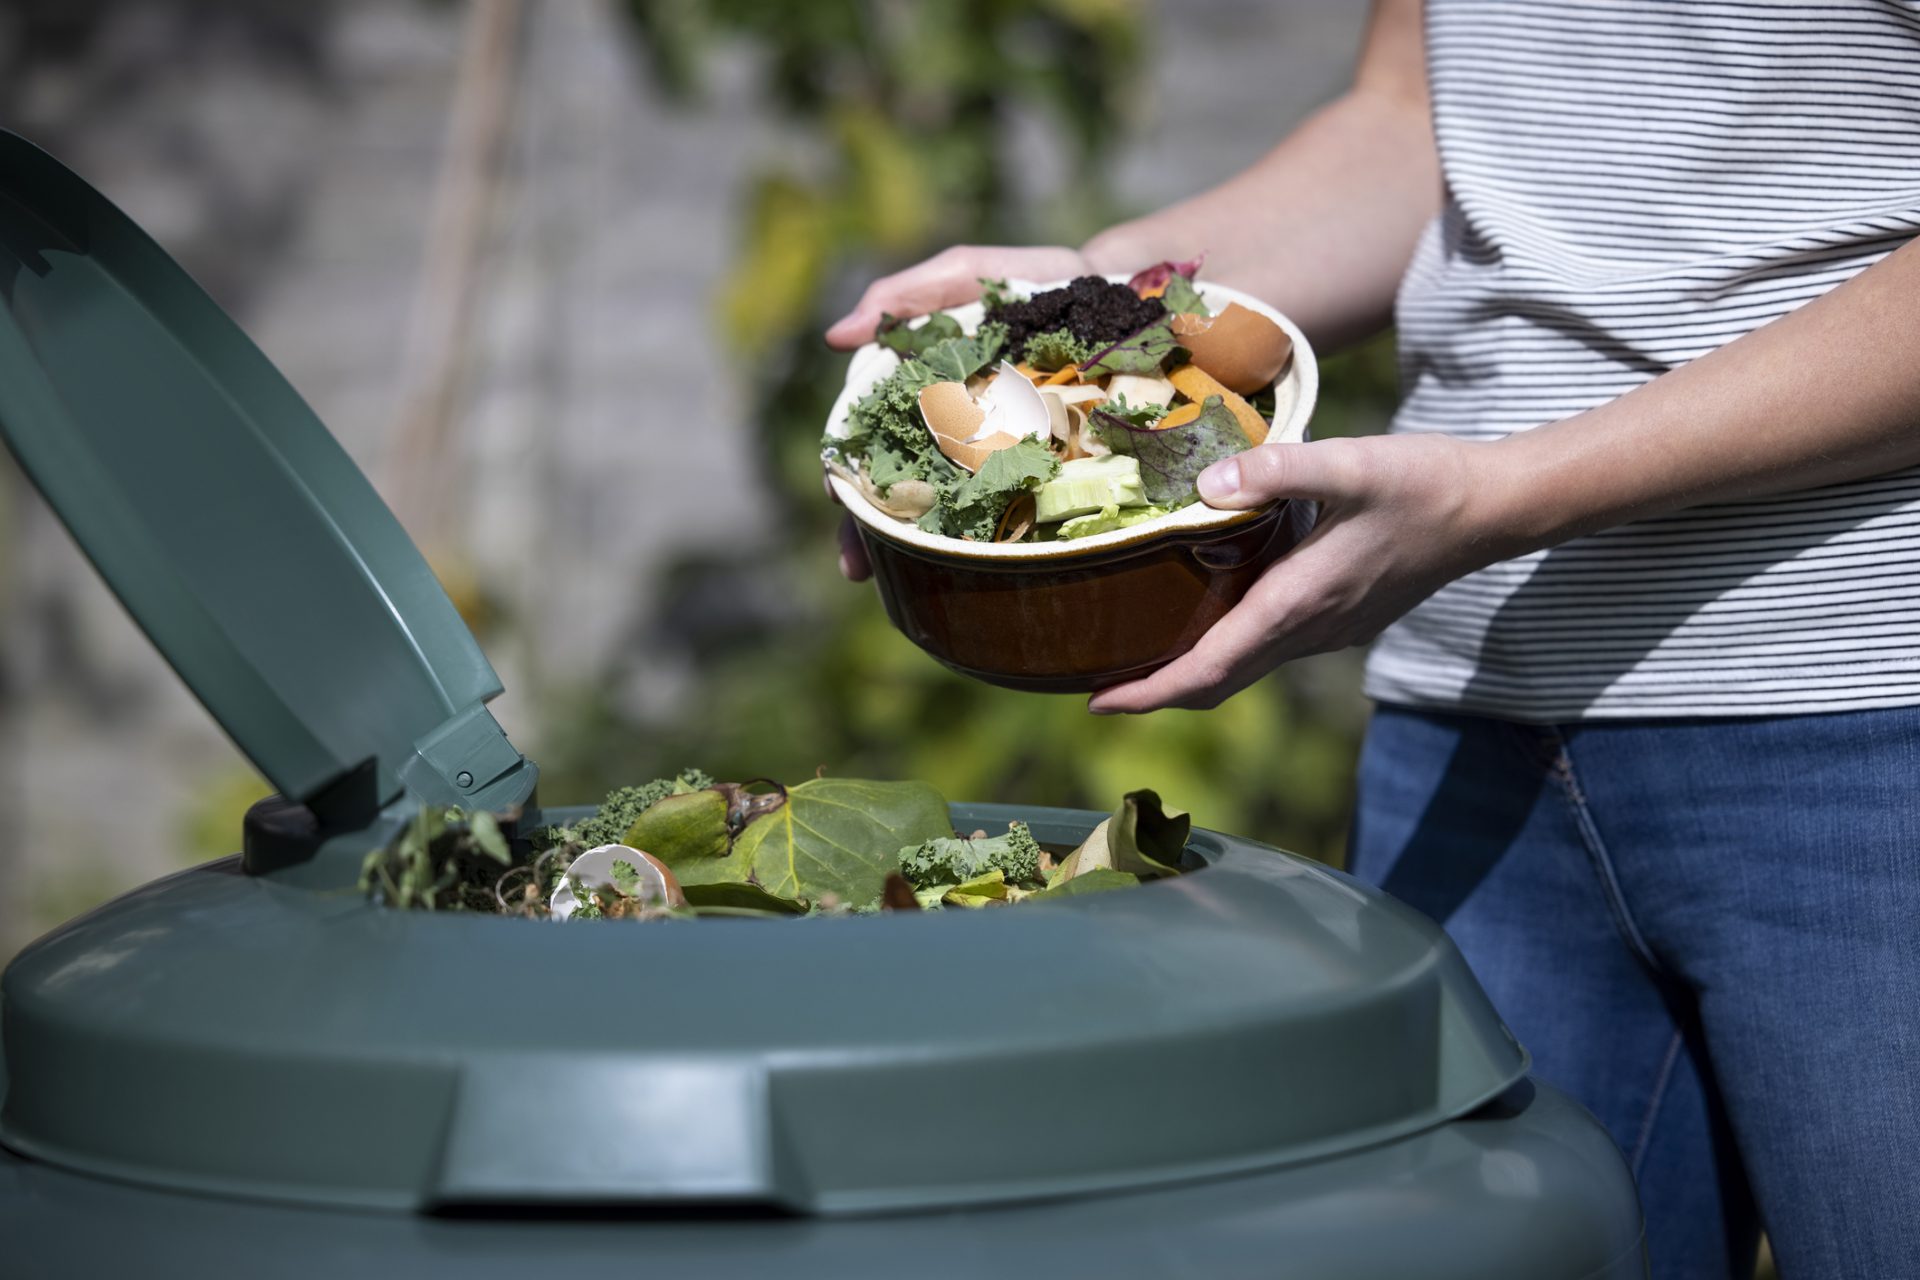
290, 154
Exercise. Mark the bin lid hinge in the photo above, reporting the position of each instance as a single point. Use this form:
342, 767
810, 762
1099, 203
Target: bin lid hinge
468, 762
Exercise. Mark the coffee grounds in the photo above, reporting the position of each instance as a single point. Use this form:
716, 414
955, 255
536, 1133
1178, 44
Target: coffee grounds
1095, 311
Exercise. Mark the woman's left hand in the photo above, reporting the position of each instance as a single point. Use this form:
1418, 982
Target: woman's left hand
1400, 517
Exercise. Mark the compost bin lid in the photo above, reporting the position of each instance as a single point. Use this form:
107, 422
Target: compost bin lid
229, 522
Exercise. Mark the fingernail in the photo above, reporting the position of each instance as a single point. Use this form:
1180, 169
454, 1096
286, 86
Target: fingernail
1221, 480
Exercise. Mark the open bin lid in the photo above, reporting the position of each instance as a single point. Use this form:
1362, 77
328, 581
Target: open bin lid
228, 521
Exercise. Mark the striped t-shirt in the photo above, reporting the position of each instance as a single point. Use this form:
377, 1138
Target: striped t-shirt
1629, 186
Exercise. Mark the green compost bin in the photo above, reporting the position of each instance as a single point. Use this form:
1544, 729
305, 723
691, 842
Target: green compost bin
1261, 1068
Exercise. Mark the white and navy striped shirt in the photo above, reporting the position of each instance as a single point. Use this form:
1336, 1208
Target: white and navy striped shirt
1631, 184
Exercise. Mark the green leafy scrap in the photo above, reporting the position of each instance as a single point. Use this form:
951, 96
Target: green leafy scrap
885, 432
1142, 839
445, 859
839, 837
739, 897
690, 833
1134, 415
957, 359
895, 334
1144, 352
950, 860
1106, 520
982, 890
972, 509
1182, 298
1055, 350
1172, 458
1098, 880
624, 804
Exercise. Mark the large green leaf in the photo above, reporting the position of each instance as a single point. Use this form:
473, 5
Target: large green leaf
1096, 881
1144, 827
689, 833
840, 836
739, 896
1141, 839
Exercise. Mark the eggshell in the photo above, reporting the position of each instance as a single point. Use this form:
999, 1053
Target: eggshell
972, 454
594, 870
961, 427
1240, 347
1066, 408
1057, 419
1013, 406
952, 417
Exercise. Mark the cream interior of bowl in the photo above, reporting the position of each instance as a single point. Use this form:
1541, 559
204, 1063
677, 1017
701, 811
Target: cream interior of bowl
1294, 397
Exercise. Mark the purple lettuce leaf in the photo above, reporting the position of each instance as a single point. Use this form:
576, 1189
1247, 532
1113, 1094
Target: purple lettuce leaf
1143, 352
1161, 272
1172, 460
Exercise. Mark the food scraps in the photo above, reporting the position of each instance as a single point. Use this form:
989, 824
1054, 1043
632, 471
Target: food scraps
985, 436
826, 846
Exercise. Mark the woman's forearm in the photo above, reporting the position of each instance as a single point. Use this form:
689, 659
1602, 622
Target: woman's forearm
1323, 225
1827, 393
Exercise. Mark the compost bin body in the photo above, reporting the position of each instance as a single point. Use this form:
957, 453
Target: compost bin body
1259, 1061
1258, 1067
1533, 1196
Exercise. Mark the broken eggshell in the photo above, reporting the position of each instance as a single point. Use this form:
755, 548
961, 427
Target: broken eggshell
1240, 347
594, 870
967, 430
1066, 408
1012, 406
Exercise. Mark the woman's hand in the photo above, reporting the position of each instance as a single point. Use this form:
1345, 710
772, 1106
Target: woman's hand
948, 279
1400, 517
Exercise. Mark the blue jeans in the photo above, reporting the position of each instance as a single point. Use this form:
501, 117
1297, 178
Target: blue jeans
1706, 931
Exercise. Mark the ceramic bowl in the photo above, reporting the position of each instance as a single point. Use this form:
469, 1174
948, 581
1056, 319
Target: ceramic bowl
1072, 617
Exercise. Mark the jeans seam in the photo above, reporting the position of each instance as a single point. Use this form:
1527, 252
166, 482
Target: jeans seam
1644, 1139
1597, 854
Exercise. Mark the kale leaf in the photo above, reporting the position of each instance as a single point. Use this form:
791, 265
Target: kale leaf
1055, 349
950, 861
957, 359
972, 509
895, 335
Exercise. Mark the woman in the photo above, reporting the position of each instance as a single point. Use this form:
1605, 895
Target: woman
1642, 557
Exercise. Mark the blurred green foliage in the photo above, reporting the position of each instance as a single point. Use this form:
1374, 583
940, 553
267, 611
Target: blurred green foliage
903, 113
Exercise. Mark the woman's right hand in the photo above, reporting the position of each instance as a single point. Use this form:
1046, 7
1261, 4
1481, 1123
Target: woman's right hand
947, 279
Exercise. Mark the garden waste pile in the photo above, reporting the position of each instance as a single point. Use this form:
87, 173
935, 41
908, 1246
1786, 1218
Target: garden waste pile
690, 846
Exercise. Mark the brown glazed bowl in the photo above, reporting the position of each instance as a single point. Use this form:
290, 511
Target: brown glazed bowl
1073, 617
1073, 624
